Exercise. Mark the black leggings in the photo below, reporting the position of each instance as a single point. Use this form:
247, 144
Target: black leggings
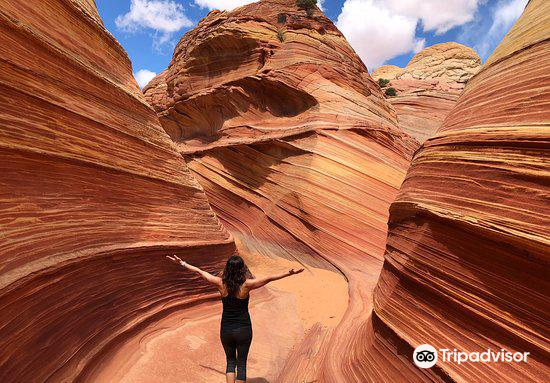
236, 342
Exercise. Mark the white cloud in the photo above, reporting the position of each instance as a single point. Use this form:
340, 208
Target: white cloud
380, 30
436, 15
163, 16
143, 77
504, 15
320, 4
223, 5
376, 33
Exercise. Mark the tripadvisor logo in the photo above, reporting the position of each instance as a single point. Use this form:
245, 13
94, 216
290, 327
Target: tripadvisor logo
425, 356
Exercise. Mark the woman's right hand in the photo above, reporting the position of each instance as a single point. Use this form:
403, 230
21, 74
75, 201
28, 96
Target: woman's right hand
176, 260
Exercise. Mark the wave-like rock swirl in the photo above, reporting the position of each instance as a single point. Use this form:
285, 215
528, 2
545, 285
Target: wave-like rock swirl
298, 152
466, 264
93, 194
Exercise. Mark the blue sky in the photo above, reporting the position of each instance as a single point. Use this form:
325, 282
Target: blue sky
381, 31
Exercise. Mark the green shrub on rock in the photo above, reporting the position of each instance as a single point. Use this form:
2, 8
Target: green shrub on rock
383, 82
391, 92
308, 5
280, 35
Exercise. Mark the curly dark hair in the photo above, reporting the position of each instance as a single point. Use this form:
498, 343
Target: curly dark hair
234, 274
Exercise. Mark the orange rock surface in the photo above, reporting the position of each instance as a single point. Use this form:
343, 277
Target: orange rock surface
300, 156
262, 72
93, 194
429, 86
466, 264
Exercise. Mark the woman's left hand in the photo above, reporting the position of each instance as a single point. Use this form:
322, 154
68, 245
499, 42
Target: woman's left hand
295, 271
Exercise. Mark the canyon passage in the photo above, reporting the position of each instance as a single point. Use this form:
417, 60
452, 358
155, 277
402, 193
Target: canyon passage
420, 217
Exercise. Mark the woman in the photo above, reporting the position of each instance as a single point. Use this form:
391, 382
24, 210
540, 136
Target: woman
236, 329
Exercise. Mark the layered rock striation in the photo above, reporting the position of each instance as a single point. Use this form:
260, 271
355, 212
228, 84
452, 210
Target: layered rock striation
300, 155
262, 72
429, 86
93, 194
298, 152
466, 263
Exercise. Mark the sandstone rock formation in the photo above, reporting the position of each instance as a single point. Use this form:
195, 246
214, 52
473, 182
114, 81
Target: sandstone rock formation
429, 86
300, 156
388, 72
466, 264
262, 72
93, 195
447, 61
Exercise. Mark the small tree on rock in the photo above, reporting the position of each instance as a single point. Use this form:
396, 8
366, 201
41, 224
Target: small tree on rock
308, 5
281, 35
391, 92
383, 82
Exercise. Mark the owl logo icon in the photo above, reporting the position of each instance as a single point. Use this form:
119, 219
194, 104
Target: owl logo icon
425, 356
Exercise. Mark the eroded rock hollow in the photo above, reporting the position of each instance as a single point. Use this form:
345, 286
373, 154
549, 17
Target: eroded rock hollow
93, 194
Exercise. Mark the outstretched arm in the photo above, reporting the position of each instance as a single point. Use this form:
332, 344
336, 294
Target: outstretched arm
252, 284
204, 274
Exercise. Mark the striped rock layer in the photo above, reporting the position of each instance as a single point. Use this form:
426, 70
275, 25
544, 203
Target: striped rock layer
466, 264
262, 72
93, 195
298, 152
429, 86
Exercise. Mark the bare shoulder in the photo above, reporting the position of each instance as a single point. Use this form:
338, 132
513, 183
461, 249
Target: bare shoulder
218, 282
245, 288
222, 290
249, 284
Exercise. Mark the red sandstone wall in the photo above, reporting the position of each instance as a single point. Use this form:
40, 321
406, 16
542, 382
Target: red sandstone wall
93, 194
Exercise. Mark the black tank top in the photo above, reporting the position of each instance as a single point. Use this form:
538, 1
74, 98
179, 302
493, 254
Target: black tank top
235, 312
